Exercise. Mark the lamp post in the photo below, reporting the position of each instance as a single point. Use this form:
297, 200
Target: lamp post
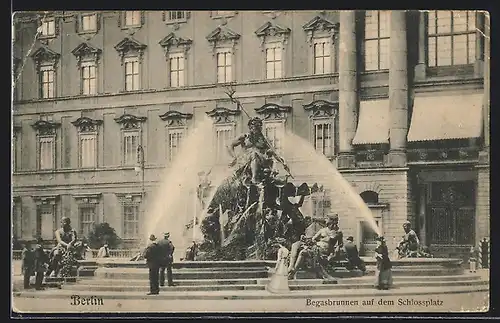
140, 168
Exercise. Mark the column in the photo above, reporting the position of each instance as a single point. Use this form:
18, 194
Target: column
420, 68
479, 62
398, 90
486, 82
348, 92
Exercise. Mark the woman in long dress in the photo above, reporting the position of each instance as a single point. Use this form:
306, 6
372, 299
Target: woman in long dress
383, 274
279, 280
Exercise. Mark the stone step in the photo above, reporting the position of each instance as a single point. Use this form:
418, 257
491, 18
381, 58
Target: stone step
143, 273
191, 264
145, 287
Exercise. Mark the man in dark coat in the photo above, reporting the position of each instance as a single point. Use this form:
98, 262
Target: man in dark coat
167, 258
352, 255
153, 259
28, 264
41, 262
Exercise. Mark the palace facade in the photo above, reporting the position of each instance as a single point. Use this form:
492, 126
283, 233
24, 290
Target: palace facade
398, 101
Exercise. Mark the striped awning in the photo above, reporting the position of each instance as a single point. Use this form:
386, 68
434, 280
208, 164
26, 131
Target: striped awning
446, 117
373, 124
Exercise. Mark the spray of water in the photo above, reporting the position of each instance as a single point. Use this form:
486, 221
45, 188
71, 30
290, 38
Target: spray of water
168, 209
307, 163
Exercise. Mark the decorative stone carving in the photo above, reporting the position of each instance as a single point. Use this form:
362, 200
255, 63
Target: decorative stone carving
176, 118
270, 31
85, 124
320, 27
129, 198
86, 51
87, 198
322, 108
222, 35
128, 121
171, 40
273, 111
46, 128
44, 55
130, 45
46, 199
223, 115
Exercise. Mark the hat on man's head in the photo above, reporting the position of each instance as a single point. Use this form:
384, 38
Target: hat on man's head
350, 238
152, 237
407, 223
166, 234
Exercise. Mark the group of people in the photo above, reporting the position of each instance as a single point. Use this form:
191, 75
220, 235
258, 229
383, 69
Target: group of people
34, 263
327, 241
159, 257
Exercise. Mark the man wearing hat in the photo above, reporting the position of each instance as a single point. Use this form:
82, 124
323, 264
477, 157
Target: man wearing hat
352, 255
153, 259
167, 258
40, 265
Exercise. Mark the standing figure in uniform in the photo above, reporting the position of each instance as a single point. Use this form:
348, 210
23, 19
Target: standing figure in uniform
167, 258
28, 264
41, 261
153, 257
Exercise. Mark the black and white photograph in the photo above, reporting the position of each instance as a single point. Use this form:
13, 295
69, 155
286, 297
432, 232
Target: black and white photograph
280, 161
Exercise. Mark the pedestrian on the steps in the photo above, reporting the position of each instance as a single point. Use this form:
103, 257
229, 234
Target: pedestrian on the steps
28, 264
352, 255
153, 259
383, 274
279, 280
167, 251
103, 251
41, 262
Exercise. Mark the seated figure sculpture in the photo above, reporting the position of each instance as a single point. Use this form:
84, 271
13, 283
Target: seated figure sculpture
324, 246
62, 257
409, 246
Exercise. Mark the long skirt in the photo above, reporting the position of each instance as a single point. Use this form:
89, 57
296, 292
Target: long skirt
279, 281
383, 278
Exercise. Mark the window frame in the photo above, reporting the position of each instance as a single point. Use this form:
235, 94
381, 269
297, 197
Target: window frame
331, 58
86, 206
223, 158
50, 69
134, 59
89, 64
133, 153
227, 52
276, 46
40, 163
216, 14
170, 130
281, 123
81, 21
43, 22
167, 17
377, 39
81, 156
452, 34
137, 214
332, 125
139, 17
181, 57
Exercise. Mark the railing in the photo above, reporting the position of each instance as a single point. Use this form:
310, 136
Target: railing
113, 253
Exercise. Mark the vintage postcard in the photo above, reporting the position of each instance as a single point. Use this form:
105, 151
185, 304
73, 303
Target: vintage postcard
251, 161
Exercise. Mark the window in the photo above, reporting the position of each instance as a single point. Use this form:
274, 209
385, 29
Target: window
376, 43
46, 152
132, 79
130, 144
88, 149
48, 27
321, 205
223, 13
47, 80
87, 219
224, 67
176, 15
274, 132
89, 22
131, 221
89, 78
223, 137
451, 38
274, 61
174, 142
322, 56
176, 69
132, 18
323, 137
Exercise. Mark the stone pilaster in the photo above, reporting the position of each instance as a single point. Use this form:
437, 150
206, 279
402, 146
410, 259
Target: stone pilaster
484, 155
398, 89
480, 41
348, 92
420, 68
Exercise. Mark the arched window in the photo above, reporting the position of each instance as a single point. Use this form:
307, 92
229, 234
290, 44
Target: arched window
369, 197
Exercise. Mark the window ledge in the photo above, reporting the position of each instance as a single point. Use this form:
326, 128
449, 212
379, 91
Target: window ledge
46, 37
